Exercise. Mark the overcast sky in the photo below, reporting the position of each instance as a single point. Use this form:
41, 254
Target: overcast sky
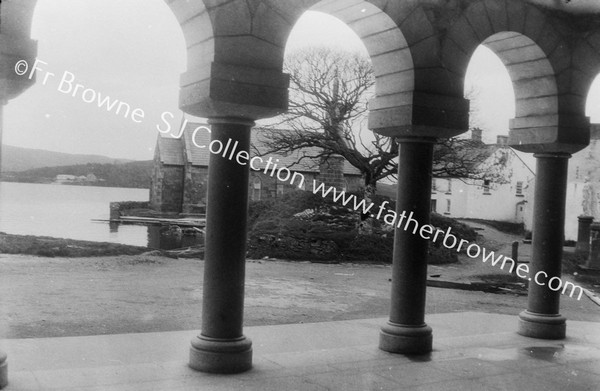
134, 51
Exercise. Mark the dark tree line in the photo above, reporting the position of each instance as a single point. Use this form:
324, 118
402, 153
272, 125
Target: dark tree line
133, 175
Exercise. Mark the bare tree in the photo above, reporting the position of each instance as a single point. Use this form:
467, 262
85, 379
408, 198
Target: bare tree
459, 158
329, 91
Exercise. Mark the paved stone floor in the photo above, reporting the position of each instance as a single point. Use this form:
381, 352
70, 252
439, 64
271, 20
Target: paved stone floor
472, 351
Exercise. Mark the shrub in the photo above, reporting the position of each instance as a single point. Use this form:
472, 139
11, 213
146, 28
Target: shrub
329, 233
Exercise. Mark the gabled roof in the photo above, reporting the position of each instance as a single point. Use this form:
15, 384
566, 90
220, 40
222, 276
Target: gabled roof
172, 152
494, 157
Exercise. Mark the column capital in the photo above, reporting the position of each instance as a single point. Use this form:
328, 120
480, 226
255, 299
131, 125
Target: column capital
232, 90
12, 50
416, 139
554, 155
551, 133
585, 218
419, 114
230, 121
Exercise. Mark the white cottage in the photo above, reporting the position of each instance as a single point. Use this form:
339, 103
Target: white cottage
502, 195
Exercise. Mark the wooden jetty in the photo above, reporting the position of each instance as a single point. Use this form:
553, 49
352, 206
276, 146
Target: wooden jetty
182, 222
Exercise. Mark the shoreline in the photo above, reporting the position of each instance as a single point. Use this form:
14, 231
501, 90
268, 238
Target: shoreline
46, 246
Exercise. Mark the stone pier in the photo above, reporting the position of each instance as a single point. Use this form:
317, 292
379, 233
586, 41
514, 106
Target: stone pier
583, 234
593, 261
406, 331
542, 318
221, 346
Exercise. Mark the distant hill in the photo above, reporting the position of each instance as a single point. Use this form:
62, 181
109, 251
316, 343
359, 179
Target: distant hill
132, 174
22, 159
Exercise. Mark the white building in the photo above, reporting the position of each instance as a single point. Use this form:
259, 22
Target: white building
502, 196
63, 178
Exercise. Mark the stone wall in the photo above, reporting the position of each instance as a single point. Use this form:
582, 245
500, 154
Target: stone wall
194, 191
175, 189
169, 190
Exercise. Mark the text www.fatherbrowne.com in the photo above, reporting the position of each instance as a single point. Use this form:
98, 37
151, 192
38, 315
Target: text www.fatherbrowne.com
68, 85
400, 221
428, 232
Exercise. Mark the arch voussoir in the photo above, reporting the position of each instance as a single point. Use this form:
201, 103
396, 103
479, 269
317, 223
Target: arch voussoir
464, 35
497, 14
516, 12
477, 17
535, 23
270, 26
454, 57
417, 27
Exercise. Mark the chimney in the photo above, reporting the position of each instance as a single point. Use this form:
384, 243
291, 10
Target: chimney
476, 134
502, 141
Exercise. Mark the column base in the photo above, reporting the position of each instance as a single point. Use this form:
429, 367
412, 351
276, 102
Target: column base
542, 326
221, 355
397, 338
3, 370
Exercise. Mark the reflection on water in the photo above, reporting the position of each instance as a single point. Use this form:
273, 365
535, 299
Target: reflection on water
164, 237
169, 239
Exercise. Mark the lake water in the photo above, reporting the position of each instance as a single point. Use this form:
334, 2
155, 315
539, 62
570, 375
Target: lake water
63, 211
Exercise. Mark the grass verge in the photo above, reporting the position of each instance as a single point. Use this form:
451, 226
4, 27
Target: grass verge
55, 247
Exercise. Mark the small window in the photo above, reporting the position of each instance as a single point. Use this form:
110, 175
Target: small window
448, 206
433, 185
256, 189
486, 186
434, 206
280, 189
519, 188
449, 187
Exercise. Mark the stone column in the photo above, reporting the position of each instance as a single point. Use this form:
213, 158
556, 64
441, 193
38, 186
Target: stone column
593, 261
2, 103
583, 234
3, 357
221, 346
542, 318
406, 331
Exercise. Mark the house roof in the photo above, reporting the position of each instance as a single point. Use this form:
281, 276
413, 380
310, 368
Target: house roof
172, 152
491, 157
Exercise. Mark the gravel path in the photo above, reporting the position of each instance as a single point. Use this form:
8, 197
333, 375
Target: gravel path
52, 297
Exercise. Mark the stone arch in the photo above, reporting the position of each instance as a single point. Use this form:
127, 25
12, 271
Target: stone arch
235, 57
15, 32
586, 64
16, 17
389, 51
197, 31
538, 60
390, 55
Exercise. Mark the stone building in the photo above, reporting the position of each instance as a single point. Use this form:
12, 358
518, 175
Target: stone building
180, 172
